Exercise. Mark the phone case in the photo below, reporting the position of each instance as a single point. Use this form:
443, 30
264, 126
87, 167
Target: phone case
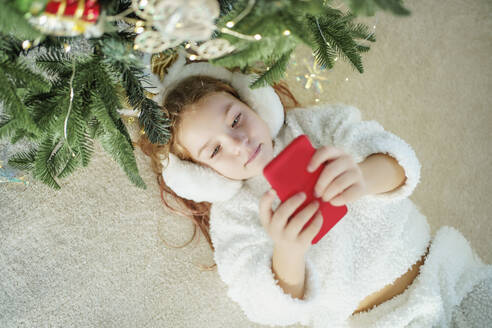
287, 174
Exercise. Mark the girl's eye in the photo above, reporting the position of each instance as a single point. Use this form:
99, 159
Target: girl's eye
237, 118
213, 154
216, 150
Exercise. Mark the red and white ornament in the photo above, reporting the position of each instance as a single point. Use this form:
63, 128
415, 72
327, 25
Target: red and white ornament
70, 18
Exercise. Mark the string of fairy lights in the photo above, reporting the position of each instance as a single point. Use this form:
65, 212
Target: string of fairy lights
311, 72
149, 40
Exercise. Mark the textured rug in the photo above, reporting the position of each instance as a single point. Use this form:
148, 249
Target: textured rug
91, 255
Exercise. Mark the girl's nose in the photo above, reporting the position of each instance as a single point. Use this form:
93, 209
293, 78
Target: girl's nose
239, 143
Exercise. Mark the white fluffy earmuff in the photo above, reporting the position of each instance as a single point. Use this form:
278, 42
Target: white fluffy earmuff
200, 183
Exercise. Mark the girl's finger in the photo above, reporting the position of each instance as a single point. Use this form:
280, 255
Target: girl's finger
285, 210
342, 182
321, 155
312, 230
352, 193
329, 173
299, 221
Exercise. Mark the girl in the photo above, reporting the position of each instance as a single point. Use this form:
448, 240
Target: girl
377, 267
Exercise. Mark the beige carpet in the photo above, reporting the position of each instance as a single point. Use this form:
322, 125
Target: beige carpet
90, 255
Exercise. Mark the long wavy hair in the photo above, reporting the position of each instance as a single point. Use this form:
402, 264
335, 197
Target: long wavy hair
187, 92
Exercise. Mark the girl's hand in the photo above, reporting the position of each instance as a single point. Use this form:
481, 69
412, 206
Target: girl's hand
341, 180
286, 231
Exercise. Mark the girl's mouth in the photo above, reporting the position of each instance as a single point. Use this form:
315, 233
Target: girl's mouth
253, 156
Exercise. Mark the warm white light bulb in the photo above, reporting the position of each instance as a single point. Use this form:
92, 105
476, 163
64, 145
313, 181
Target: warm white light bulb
26, 44
286, 32
230, 24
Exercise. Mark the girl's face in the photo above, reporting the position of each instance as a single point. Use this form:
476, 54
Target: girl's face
223, 133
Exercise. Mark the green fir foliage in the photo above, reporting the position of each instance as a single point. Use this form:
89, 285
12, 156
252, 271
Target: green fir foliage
15, 79
65, 101
273, 73
329, 32
13, 20
125, 66
334, 34
66, 124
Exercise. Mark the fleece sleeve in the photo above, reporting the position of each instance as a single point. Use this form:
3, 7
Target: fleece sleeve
243, 254
341, 126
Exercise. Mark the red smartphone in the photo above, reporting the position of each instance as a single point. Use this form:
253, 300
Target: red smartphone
288, 175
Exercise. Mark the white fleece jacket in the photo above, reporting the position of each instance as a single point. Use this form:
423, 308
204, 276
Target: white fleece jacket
378, 240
